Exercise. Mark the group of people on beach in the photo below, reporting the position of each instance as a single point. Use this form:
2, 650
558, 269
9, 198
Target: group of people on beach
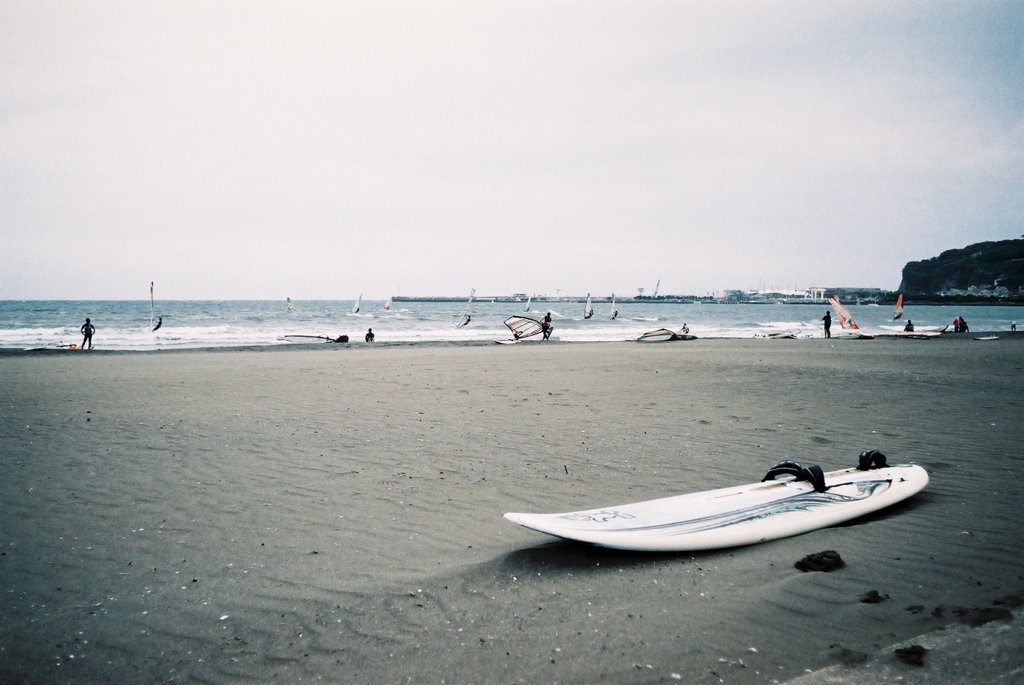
960, 325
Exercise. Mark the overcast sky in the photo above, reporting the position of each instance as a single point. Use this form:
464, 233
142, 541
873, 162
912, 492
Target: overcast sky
319, 149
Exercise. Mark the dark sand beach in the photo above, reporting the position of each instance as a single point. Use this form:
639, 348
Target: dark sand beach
335, 514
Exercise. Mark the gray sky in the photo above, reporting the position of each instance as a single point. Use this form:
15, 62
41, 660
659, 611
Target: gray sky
322, 149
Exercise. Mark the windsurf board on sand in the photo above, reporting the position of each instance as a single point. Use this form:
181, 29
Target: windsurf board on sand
805, 499
665, 335
314, 338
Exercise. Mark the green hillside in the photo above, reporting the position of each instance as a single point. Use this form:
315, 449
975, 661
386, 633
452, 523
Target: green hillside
981, 267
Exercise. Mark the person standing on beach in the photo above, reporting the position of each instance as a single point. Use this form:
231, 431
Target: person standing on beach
828, 324
369, 336
87, 330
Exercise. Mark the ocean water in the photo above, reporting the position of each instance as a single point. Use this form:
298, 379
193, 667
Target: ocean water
125, 325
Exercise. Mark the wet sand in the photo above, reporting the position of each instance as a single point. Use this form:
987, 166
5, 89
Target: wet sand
335, 513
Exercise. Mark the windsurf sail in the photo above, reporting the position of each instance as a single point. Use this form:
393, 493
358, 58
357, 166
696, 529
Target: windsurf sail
529, 299
291, 305
151, 306
897, 311
467, 317
359, 301
615, 310
845, 318
523, 326
657, 335
387, 305
588, 311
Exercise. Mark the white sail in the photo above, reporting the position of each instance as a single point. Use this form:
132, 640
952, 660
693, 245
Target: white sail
387, 305
523, 326
291, 305
615, 310
151, 305
529, 299
359, 302
588, 311
467, 316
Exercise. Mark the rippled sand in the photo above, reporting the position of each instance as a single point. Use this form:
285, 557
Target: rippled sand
336, 514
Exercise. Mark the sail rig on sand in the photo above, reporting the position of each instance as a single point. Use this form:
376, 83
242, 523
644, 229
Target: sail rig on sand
523, 326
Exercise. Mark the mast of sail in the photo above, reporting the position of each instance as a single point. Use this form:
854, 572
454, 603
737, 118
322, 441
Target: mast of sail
845, 318
151, 305
897, 311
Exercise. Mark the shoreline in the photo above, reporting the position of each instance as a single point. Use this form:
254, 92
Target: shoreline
305, 516
355, 344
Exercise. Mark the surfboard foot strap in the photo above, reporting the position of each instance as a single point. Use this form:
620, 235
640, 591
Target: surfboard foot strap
812, 474
871, 459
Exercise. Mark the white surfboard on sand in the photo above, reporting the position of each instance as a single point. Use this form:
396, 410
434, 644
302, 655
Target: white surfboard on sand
740, 515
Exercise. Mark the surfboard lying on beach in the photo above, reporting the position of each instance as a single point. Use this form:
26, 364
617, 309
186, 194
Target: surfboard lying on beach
805, 500
314, 338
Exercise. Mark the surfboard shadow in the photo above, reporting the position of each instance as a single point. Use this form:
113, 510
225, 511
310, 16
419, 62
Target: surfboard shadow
581, 557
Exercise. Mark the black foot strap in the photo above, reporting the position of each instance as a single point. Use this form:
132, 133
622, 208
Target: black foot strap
812, 474
871, 459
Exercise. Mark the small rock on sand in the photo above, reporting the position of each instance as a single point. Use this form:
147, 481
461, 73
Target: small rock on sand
826, 561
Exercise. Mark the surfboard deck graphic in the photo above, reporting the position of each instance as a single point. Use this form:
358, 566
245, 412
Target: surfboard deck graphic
734, 516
